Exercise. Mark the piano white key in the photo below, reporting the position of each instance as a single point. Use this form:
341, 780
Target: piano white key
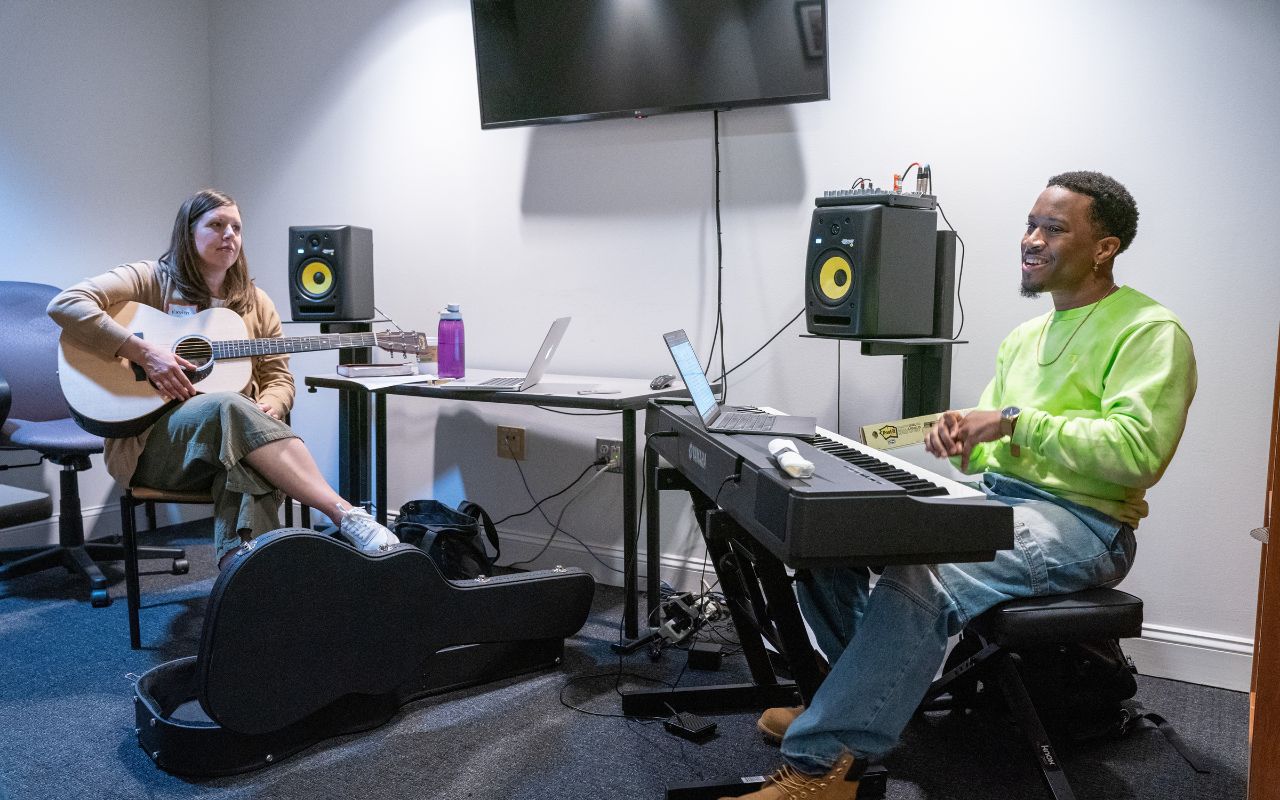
954, 488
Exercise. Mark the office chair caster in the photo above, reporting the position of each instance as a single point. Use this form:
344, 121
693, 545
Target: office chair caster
181, 566
98, 598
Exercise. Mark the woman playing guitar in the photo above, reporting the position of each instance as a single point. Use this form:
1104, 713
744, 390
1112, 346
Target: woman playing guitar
232, 444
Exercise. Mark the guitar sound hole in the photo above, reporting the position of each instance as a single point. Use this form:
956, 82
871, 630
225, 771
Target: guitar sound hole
196, 350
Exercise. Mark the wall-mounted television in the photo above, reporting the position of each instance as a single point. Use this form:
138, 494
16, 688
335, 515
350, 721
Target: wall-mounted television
545, 61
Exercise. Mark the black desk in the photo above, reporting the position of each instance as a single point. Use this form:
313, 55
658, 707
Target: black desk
559, 391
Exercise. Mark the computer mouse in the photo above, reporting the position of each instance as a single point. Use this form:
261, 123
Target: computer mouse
662, 381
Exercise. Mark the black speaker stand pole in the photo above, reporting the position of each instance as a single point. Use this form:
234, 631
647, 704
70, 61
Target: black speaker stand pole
926, 371
354, 456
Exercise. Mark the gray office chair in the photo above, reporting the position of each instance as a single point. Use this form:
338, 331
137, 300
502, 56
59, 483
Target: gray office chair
39, 420
19, 506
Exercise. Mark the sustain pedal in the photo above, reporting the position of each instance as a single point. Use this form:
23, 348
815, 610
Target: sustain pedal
690, 726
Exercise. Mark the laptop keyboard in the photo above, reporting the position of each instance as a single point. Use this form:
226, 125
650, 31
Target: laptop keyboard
740, 421
502, 382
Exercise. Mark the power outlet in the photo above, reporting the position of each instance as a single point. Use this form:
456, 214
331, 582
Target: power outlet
511, 443
611, 451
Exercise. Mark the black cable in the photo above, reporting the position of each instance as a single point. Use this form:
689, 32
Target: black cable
838, 374
579, 413
534, 507
789, 323
617, 676
386, 318
960, 272
716, 500
555, 531
718, 331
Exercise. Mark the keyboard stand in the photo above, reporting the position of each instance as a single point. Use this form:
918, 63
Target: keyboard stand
763, 607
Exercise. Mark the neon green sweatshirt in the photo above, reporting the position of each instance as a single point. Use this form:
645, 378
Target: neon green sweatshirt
1104, 391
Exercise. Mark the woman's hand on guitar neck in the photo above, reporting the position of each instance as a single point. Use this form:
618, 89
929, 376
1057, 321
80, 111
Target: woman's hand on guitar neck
164, 369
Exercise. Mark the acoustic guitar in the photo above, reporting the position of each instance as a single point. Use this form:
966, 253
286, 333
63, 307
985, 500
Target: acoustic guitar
112, 396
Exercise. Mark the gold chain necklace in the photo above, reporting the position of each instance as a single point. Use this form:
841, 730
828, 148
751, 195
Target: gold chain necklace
1045, 327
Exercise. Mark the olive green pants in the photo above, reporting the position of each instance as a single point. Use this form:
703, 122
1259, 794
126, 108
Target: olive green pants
200, 446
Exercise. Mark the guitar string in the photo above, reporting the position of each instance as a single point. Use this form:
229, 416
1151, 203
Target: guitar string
268, 345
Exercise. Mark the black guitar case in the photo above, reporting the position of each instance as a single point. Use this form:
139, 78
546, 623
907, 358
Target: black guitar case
306, 638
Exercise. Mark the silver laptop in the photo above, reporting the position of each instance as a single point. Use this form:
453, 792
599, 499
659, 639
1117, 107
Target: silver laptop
519, 383
714, 416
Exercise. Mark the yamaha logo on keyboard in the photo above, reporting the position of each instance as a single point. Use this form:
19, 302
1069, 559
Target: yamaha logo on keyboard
697, 456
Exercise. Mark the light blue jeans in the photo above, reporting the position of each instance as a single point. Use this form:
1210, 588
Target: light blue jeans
885, 644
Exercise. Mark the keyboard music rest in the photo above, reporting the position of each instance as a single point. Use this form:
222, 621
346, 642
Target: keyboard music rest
861, 506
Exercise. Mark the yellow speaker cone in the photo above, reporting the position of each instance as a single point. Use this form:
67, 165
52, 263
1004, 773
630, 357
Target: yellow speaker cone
835, 278
315, 278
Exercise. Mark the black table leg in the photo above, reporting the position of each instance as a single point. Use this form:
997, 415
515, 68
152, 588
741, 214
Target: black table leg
630, 533
380, 442
653, 536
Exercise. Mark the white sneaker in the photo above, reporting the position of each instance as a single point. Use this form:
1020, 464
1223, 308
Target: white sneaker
365, 533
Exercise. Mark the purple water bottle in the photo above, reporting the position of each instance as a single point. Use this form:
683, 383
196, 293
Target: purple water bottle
452, 354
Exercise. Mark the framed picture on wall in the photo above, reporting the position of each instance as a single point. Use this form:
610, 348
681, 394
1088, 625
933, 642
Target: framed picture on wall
812, 35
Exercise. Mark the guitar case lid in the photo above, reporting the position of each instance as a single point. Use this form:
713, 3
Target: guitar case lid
299, 621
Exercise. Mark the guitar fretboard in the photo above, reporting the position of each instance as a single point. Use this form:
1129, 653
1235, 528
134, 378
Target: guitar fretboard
243, 348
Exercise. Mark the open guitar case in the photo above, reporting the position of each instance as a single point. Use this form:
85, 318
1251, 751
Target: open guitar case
306, 638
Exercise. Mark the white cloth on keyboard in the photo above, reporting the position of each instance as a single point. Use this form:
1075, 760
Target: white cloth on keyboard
789, 459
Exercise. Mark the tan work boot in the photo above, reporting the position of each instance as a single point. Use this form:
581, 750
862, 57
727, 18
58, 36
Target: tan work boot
773, 723
838, 783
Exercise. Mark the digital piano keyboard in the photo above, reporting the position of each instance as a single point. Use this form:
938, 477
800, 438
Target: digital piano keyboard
861, 506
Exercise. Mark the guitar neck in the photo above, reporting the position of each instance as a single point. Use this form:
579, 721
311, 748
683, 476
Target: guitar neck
245, 348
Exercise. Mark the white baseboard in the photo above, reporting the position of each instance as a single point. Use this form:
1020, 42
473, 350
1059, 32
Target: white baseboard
1201, 657
1211, 659
99, 521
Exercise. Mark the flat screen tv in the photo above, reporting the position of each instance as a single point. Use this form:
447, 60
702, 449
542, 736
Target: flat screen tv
544, 61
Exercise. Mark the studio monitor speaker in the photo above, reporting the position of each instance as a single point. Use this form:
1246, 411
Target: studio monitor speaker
330, 273
870, 271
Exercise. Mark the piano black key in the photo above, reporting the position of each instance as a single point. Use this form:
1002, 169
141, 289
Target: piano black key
900, 477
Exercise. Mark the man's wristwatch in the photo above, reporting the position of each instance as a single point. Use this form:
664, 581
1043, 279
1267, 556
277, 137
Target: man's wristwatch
1008, 419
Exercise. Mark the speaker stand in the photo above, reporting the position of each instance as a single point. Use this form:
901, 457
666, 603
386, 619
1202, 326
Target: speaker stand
353, 421
926, 371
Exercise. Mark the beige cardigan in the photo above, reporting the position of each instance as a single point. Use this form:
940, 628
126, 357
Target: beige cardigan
80, 311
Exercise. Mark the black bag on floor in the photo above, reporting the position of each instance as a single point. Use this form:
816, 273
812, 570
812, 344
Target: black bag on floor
451, 537
1079, 689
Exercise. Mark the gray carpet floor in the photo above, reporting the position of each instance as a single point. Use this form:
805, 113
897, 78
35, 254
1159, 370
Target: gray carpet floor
66, 721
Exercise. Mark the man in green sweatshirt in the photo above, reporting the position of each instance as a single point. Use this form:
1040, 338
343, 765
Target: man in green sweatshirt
1084, 413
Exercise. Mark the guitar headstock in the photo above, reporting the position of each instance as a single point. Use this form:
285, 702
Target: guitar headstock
402, 342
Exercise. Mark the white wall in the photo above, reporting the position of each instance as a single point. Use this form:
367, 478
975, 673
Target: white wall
104, 129
325, 112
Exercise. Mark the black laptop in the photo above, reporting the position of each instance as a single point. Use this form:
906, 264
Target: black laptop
717, 418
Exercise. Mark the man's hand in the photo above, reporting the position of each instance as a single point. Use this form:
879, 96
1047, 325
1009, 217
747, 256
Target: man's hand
955, 434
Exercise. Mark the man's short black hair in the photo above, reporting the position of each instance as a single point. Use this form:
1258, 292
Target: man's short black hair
1114, 211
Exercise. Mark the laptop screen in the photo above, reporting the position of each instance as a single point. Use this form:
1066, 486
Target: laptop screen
546, 351
695, 380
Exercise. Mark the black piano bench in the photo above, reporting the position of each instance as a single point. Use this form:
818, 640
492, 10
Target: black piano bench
989, 646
